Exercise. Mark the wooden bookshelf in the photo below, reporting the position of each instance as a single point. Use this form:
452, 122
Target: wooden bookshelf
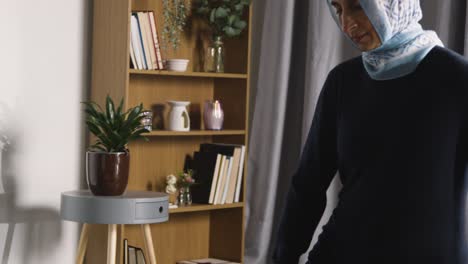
190, 74
195, 133
196, 231
204, 207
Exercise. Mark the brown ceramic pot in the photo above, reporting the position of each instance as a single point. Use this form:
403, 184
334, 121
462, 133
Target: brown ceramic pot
107, 173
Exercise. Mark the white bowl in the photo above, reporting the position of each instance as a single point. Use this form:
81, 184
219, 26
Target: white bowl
177, 61
178, 65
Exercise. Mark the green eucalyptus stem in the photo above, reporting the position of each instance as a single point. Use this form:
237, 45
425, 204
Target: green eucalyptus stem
175, 16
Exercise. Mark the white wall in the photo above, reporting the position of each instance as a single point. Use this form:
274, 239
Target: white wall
43, 78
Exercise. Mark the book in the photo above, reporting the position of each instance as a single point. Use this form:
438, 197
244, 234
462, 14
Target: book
203, 261
218, 179
149, 37
136, 42
157, 46
215, 178
229, 149
132, 255
140, 44
204, 166
225, 149
210, 261
144, 36
222, 181
231, 193
226, 182
132, 56
125, 253
239, 176
140, 256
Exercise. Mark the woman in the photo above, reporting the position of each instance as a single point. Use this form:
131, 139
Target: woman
394, 124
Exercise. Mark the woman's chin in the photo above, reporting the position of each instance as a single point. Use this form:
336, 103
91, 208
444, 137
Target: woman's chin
367, 47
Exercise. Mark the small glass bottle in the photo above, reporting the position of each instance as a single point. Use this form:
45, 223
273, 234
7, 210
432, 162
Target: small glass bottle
214, 56
185, 196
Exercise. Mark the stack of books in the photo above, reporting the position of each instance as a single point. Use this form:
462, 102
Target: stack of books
206, 261
218, 170
133, 255
145, 51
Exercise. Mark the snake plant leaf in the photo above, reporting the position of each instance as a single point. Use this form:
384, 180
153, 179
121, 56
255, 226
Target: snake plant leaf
110, 109
99, 146
119, 109
113, 127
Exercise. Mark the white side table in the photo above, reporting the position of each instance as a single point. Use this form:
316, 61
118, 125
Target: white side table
133, 207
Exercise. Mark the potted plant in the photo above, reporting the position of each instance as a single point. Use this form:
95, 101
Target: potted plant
175, 17
225, 20
108, 159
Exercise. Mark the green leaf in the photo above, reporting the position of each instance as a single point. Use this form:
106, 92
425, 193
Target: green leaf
120, 108
240, 24
212, 15
110, 109
99, 147
232, 19
221, 12
230, 32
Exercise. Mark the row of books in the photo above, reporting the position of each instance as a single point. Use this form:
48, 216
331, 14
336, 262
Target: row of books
218, 170
145, 51
206, 261
133, 255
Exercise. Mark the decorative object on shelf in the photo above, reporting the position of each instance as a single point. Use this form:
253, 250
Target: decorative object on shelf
179, 119
147, 121
184, 182
178, 65
171, 188
108, 160
214, 56
225, 20
213, 115
175, 18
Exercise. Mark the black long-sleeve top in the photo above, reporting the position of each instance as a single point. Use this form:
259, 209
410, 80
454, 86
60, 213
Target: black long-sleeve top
401, 148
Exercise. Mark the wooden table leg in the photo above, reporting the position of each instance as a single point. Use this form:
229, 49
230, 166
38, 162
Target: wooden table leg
111, 243
82, 244
146, 230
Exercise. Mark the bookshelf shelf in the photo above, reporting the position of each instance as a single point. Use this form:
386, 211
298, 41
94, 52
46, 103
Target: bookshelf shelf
204, 207
155, 133
214, 230
189, 74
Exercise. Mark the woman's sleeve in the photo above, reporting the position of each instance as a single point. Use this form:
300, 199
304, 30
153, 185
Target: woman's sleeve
306, 199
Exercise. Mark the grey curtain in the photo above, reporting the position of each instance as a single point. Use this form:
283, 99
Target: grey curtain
295, 45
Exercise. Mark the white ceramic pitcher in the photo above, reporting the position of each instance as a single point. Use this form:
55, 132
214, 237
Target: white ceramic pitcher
179, 119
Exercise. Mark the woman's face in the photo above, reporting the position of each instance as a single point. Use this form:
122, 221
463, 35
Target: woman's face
355, 23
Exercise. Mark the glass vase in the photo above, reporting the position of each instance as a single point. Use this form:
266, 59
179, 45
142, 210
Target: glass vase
214, 56
185, 196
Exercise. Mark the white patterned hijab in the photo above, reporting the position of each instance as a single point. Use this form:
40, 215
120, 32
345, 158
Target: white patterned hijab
404, 43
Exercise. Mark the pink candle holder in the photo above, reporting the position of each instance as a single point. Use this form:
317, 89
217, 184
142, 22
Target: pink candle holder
213, 115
